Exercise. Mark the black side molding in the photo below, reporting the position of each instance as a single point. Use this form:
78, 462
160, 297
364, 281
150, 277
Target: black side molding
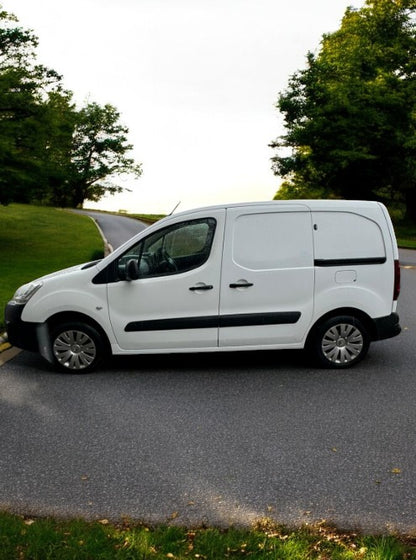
215, 321
173, 324
256, 319
349, 262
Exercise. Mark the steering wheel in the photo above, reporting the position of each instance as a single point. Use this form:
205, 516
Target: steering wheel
165, 263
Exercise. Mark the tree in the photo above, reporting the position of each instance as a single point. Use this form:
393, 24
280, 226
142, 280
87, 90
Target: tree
56, 121
27, 91
50, 152
99, 150
350, 116
15, 101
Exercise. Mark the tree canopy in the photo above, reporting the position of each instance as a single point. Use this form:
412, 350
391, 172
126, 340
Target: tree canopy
50, 151
350, 115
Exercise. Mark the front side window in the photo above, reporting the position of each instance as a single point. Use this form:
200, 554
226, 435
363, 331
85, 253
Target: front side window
171, 250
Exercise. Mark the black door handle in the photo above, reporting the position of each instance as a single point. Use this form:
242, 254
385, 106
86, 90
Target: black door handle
203, 287
241, 285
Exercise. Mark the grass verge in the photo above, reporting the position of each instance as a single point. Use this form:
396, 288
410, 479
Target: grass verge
36, 240
49, 539
147, 218
406, 235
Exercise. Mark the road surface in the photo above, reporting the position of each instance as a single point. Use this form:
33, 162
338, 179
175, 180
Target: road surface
116, 229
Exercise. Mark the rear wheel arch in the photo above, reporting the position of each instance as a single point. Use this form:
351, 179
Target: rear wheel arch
365, 319
340, 338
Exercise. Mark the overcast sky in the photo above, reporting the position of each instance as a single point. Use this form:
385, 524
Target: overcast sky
195, 81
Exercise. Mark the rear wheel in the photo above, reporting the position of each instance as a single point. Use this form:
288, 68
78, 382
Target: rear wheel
340, 342
76, 347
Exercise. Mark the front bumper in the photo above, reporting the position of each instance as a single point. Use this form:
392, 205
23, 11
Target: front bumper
387, 327
20, 333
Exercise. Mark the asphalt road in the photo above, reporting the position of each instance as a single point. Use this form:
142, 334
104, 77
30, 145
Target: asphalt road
217, 439
407, 257
116, 229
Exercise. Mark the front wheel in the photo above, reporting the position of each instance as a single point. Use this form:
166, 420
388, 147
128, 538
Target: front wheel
340, 342
76, 347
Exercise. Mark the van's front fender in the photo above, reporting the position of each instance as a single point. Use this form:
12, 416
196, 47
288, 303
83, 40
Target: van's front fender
89, 306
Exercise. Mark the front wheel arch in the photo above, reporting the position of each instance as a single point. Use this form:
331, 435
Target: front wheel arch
79, 323
73, 316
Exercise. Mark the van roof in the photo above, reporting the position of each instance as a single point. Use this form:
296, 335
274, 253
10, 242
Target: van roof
312, 204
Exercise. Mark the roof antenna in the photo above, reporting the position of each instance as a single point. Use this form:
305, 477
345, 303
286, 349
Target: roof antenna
174, 209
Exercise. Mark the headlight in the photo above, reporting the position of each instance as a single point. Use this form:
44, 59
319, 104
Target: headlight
25, 292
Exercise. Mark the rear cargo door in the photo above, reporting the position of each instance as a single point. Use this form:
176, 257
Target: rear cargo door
353, 267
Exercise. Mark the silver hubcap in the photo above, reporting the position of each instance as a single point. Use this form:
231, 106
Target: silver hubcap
342, 343
74, 350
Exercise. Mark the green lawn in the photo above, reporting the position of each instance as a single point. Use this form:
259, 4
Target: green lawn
48, 539
406, 235
36, 240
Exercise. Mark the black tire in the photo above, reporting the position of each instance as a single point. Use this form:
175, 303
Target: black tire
76, 347
339, 342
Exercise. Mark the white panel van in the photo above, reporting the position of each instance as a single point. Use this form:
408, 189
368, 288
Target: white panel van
321, 275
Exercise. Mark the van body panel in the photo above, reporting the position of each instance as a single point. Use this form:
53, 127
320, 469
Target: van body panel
360, 292
73, 292
354, 259
163, 312
271, 250
347, 236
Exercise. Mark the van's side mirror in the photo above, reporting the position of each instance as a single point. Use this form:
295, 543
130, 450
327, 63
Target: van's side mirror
132, 270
